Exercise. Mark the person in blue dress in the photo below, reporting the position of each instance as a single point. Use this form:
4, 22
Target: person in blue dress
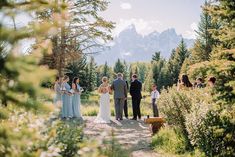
57, 87
67, 111
76, 101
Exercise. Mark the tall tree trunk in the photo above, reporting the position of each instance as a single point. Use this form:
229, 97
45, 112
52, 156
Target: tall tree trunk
62, 52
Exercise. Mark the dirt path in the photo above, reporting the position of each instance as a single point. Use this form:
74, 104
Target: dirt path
132, 135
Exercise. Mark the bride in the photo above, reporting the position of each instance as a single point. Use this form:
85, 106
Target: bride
104, 115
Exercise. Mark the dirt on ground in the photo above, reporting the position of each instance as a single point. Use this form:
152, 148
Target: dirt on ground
135, 136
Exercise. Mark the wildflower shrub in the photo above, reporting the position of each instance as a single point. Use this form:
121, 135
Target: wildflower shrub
175, 105
167, 140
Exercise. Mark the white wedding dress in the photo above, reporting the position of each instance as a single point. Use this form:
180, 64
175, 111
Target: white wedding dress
104, 114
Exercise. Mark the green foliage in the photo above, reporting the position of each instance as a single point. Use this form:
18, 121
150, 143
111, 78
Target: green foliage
21, 77
205, 42
175, 105
157, 66
211, 128
68, 138
77, 69
19, 135
119, 67
169, 141
222, 12
222, 67
156, 57
80, 33
91, 75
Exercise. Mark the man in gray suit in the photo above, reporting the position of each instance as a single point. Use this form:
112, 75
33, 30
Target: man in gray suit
120, 91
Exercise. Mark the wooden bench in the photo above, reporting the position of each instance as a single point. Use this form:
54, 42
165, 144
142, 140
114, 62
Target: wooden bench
155, 123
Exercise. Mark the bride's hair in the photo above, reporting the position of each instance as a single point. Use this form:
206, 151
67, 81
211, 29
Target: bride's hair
105, 79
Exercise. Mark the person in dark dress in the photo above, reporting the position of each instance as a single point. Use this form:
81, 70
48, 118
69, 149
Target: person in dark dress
125, 104
135, 91
199, 83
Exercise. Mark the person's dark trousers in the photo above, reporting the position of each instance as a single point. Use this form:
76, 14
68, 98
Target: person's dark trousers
136, 108
155, 108
126, 109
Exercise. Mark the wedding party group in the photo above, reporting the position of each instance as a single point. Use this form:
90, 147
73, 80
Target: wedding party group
69, 97
70, 100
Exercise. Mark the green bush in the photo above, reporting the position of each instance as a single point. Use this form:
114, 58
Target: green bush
212, 128
175, 105
68, 138
169, 141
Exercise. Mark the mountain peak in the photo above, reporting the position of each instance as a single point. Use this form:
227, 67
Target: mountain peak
170, 31
129, 30
132, 46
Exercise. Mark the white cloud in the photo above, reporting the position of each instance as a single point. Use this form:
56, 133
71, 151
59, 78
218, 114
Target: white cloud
191, 34
143, 27
125, 6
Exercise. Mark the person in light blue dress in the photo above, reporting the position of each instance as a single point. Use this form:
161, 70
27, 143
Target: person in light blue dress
58, 96
67, 111
76, 101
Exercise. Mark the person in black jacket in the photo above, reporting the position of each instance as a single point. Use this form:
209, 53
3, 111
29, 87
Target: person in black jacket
135, 91
125, 104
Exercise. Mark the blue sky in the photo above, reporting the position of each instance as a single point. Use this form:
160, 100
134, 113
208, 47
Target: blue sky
155, 15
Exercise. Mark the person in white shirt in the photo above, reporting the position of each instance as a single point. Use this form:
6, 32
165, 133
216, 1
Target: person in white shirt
154, 96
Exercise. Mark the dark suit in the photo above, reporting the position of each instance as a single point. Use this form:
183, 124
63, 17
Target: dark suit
125, 104
135, 91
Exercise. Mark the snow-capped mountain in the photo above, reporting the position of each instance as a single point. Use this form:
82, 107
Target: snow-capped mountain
132, 47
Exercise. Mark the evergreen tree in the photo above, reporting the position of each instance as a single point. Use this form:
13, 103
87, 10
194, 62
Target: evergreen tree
125, 73
157, 64
218, 140
157, 56
176, 61
106, 71
130, 73
222, 11
77, 69
136, 70
142, 72
205, 42
119, 67
149, 81
92, 75
164, 80
73, 38
20, 75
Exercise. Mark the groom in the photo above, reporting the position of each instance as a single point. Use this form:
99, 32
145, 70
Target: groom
135, 91
120, 91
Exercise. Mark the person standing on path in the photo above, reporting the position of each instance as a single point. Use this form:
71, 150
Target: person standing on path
125, 103
120, 92
135, 91
154, 96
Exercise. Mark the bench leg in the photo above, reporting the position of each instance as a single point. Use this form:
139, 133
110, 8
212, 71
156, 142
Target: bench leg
155, 127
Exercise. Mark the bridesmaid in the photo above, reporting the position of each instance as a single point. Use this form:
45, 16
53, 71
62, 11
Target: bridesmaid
67, 111
57, 87
76, 101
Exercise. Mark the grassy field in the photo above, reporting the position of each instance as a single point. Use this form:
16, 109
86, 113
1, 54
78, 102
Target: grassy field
90, 106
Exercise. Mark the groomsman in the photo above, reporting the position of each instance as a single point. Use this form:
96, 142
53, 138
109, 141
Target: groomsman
135, 91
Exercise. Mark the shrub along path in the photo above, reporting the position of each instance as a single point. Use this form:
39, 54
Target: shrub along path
134, 136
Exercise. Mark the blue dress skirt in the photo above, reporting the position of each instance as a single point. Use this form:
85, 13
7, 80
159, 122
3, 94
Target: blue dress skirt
76, 102
67, 111
58, 97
